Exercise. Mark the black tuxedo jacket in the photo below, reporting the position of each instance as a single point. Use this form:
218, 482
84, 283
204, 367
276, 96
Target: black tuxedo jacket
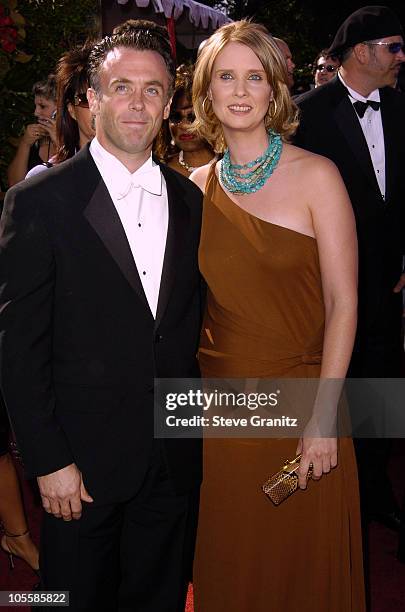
329, 127
78, 343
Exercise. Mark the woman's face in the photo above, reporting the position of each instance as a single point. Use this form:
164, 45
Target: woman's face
180, 118
44, 107
239, 89
80, 112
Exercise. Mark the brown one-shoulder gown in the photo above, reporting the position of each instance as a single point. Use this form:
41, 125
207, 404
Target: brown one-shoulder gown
265, 318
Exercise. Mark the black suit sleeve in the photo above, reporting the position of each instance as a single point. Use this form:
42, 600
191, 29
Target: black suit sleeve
27, 272
300, 137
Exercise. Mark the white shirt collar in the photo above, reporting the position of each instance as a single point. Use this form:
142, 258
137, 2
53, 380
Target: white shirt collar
119, 180
374, 95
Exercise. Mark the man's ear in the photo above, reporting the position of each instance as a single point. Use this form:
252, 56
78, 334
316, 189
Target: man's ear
94, 101
361, 52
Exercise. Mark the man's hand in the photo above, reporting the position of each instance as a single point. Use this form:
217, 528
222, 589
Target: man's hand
62, 493
400, 284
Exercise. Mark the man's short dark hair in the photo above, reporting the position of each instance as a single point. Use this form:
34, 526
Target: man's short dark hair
324, 53
137, 34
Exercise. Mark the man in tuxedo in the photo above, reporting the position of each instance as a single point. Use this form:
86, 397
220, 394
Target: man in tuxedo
100, 293
358, 121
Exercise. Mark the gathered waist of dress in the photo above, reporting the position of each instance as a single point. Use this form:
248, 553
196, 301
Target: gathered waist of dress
231, 334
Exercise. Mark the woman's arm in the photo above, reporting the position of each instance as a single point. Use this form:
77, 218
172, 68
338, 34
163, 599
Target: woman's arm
18, 167
335, 232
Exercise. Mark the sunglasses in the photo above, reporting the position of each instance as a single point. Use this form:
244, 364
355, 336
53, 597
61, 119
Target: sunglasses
176, 117
327, 67
81, 100
393, 47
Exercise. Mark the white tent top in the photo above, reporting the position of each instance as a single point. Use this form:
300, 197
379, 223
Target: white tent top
200, 16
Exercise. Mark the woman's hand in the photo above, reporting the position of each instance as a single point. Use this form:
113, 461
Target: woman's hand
33, 132
321, 452
49, 126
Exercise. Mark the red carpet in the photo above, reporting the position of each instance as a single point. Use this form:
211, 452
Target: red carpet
387, 574
189, 604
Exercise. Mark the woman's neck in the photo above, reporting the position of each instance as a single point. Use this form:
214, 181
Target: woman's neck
83, 139
198, 158
246, 146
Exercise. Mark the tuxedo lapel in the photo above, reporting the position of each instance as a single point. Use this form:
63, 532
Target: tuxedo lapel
102, 215
179, 217
346, 119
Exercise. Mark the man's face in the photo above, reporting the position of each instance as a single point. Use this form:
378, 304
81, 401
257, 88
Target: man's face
285, 50
325, 70
382, 65
132, 102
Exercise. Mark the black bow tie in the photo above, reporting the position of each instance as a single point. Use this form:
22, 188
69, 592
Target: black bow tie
360, 107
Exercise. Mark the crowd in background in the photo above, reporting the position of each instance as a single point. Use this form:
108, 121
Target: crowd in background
63, 122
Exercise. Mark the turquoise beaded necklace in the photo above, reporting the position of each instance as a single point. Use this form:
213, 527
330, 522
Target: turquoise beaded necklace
240, 179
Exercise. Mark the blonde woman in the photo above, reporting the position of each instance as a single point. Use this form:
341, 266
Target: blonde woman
278, 252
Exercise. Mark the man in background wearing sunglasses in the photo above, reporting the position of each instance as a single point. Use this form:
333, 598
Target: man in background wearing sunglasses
325, 67
358, 121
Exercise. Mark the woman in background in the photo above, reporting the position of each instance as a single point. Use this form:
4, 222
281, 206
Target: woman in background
281, 303
74, 126
38, 142
188, 150
16, 541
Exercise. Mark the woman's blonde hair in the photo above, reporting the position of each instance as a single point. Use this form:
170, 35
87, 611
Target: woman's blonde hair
282, 114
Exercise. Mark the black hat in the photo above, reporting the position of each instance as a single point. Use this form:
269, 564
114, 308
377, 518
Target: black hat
368, 23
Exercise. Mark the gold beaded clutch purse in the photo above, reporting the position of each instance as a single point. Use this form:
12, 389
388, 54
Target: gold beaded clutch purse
283, 483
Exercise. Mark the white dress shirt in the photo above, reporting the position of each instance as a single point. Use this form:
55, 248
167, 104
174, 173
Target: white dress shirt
372, 127
141, 202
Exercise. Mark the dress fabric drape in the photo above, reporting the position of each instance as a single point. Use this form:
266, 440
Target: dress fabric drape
265, 319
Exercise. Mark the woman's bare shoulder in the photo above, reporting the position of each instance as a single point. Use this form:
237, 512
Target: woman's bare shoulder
319, 182
310, 163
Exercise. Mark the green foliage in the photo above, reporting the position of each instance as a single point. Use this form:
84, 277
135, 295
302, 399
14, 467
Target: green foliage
306, 25
294, 22
49, 28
